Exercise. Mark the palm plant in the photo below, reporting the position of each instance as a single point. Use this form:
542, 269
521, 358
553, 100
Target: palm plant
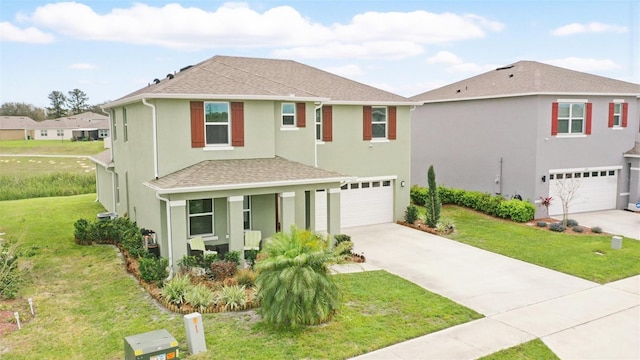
294, 282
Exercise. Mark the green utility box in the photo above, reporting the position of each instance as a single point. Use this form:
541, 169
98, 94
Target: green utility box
154, 345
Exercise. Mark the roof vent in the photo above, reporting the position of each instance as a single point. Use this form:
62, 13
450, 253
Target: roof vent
457, 91
505, 67
510, 75
186, 67
169, 76
157, 81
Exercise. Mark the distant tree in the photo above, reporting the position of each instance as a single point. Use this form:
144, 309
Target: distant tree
432, 203
58, 107
97, 108
77, 101
22, 109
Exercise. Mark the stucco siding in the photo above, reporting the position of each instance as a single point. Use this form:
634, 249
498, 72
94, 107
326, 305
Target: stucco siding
104, 188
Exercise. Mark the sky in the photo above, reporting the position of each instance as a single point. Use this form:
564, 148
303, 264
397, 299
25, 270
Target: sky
111, 48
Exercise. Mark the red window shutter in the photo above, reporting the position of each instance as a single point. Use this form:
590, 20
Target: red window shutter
327, 123
237, 124
366, 122
392, 122
612, 107
301, 115
554, 118
588, 126
197, 124
625, 114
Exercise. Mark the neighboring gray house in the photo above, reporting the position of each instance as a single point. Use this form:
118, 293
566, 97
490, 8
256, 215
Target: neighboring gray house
236, 143
16, 127
529, 127
85, 126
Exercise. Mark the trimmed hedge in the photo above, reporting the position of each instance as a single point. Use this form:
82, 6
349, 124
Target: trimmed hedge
494, 205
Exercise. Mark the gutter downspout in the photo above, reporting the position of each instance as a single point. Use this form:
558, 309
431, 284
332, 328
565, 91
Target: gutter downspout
154, 121
316, 140
169, 237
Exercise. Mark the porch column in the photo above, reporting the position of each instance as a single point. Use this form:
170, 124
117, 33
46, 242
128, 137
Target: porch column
288, 210
300, 210
236, 225
178, 226
333, 211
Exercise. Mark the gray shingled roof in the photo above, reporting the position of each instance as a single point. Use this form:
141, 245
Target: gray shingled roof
527, 78
16, 123
103, 158
242, 173
85, 120
635, 150
254, 77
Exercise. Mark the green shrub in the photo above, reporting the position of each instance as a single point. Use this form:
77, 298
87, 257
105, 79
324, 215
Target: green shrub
411, 214
11, 276
199, 296
250, 257
175, 289
596, 229
189, 262
541, 224
445, 225
232, 256
577, 229
558, 227
572, 223
246, 277
341, 237
344, 249
233, 297
82, 231
153, 270
517, 210
418, 195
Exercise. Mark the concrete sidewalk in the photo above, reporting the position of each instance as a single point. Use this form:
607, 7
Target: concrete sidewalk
577, 319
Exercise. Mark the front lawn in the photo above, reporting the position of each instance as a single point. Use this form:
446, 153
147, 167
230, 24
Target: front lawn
51, 147
588, 256
532, 350
86, 303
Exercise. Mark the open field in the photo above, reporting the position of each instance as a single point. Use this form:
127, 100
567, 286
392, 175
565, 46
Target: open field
86, 303
26, 165
51, 147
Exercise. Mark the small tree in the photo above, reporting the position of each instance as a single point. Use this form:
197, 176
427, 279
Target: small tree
546, 202
567, 191
294, 282
432, 202
77, 101
58, 105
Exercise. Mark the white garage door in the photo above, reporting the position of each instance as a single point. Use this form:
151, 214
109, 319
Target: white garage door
595, 190
361, 203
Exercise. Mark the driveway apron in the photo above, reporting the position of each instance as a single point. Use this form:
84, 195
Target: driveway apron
521, 301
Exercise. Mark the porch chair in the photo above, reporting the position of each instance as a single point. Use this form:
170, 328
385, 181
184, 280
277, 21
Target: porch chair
252, 239
198, 244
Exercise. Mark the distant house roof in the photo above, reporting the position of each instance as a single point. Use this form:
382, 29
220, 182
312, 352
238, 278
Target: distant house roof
86, 120
230, 77
528, 78
104, 159
16, 123
242, 173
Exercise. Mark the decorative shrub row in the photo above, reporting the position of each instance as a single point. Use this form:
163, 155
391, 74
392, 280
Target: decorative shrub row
494, 205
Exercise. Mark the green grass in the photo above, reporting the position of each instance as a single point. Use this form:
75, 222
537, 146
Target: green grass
584, 255
51, 147
532, 350
86, 303
22, 165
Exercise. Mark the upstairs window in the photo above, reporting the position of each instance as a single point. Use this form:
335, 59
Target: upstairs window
571, 118
288, 114
216, 116
618, 112
200, 217
319, 124
379, 122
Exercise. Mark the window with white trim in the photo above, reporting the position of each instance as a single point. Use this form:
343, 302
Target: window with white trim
217, 123
60, 133
617, 114
319, 124
379, 122
43, 132
246, 212
288, 114
571, 118
200, 217
103, 133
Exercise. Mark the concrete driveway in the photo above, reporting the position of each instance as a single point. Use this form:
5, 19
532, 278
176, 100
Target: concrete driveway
615, 222
576, 318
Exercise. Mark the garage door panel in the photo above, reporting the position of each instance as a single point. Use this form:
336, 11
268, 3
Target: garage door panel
595, 192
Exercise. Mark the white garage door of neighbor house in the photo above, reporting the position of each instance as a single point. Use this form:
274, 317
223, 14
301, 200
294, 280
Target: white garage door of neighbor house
361, 203
596, 190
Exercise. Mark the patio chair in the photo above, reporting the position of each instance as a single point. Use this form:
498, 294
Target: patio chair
198, 244
252, 239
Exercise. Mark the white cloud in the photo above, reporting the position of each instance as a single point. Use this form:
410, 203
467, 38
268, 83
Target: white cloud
585, 65
371, 34
348, 71
444, 57
593, 27
80, 66
9, 32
